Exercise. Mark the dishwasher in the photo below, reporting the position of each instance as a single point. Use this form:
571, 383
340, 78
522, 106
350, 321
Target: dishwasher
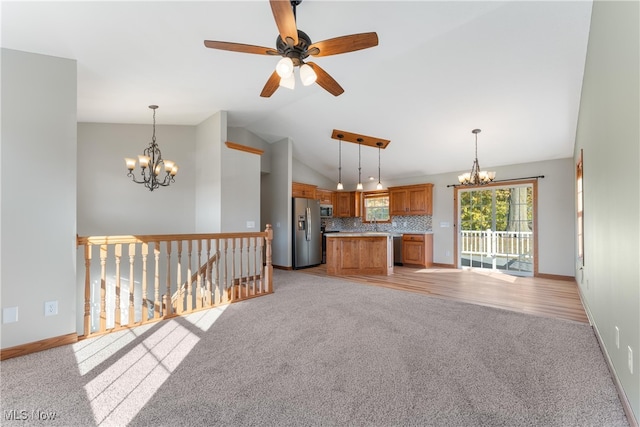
397, 249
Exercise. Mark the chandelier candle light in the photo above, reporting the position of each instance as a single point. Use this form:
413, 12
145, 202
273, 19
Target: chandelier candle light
152, 164
476, 176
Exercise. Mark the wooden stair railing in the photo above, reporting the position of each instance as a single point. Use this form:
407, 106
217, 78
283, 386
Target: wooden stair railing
237, 266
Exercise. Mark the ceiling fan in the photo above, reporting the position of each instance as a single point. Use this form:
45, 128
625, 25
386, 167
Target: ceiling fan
295, 47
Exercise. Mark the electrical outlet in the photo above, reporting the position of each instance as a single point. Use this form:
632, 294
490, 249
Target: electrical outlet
50, 308
448, 253
617, 337
630, 355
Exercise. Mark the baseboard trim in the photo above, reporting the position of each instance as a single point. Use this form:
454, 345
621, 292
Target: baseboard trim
626, 405
556, 277
438, 265
33, 347
281, 267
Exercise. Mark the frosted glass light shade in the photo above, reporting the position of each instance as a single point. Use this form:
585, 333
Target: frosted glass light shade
288, 82
307, 75
131, 163
284, 68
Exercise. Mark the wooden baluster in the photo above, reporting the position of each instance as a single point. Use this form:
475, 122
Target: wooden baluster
103, 287
132, 287
208, 294
241, 272
269, 267
254, 241
145, 305
262, 257
227, 290
233, 269
199, 277
216, 275
156, 282
179, 291
247, 276
189, 274
167, 296
87, 289
118, 311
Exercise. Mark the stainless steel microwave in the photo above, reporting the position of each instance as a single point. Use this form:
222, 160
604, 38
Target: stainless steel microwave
326, 211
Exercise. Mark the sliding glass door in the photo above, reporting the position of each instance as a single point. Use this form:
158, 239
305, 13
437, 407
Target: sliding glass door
496, 228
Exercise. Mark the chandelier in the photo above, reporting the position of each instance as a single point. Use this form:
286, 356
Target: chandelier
152, 164
476, 176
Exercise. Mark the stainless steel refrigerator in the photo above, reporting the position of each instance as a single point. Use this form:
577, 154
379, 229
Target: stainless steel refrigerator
307, 238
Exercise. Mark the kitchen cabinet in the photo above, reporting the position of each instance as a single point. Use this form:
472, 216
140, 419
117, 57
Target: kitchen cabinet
306, 191
359, 253
347, 204
325, 196
417, 249
411, 200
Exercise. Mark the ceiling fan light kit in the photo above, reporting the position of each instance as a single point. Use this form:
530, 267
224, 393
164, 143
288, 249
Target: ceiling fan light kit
295, 47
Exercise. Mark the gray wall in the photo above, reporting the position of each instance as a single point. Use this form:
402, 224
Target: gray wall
608, 132
110, 204
38, 194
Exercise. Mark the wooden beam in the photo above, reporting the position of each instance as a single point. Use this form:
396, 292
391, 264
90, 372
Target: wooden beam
236, 146
371, 141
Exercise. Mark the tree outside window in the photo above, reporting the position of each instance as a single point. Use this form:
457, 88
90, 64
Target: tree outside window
376, 207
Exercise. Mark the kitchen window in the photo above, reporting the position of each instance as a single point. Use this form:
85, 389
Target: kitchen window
376, 206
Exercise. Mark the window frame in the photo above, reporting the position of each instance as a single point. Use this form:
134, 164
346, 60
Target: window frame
374, 195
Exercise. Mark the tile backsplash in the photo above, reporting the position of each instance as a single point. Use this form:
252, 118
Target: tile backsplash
401, 223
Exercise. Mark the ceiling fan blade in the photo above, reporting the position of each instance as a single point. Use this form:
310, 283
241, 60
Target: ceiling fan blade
343, 44
326, 81
271, 86
239, 47
285, 20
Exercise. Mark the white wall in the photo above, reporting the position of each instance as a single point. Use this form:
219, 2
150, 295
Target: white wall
38, 194
609, 134
109, 203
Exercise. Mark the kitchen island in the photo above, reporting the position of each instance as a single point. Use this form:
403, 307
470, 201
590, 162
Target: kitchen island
359, 253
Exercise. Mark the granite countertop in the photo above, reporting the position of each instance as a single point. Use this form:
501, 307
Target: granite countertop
360, 234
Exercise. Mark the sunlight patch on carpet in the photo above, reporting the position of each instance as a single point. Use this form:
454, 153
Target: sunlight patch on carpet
122, 389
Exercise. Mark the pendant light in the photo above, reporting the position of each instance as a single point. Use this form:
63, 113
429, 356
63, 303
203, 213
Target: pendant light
340, 186
379, 186
359, 186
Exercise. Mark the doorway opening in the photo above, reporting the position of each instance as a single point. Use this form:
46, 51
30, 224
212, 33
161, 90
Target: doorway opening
497, 228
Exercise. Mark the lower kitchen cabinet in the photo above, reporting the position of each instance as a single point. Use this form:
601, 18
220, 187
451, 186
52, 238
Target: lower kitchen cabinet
417, 249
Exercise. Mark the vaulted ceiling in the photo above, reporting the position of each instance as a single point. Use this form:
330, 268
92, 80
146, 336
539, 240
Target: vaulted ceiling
442, 68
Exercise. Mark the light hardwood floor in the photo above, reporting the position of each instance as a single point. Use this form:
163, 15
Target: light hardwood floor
531, 295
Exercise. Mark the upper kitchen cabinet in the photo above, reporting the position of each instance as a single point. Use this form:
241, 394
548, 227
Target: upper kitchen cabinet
325, 196
347, 204
411, 200
306, 191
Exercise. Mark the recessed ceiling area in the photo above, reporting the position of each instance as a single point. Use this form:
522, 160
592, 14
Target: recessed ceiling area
440, 69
